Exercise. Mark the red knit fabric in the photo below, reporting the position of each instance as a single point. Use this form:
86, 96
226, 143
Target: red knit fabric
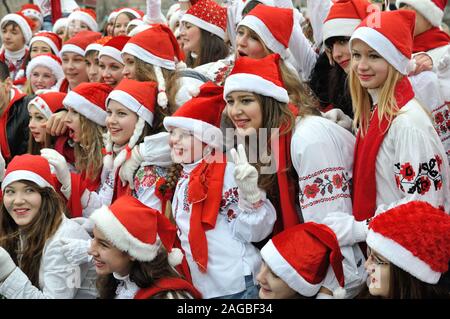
167, 284
430, 39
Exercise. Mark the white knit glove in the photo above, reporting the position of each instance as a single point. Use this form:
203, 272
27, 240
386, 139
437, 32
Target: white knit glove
246, 176
86, 223
339, 117
348, 231
153, 13
61, 169
2, 166
129, 167
76, 250
7, 265
443, 72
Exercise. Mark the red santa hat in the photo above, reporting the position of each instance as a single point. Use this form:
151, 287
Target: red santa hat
113, 15
159, 47
25, 24
80, 41
113, 48
97, 45
209, 16
201, 115
392, 37
137, 229
60, 23
301, 256
88, 16
89, 99
50, 61
50, 38
32, 11
415, 237
48, 103
261, 76
33, 168
432, 10
137, 14
344, 17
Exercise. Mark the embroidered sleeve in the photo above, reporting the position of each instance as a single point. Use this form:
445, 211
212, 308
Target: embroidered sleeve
441, 119
144, 185
229, 197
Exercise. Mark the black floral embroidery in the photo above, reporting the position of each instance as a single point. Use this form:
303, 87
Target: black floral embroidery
428, 175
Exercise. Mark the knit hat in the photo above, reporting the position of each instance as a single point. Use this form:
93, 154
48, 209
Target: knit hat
301, 256
48, 103
87, 16
139, 97
201, 115
50, 38
344, 17
392, 37
60, 23
159, 47
32, 11
80, 41
137, 229
33, 168
137, 14
49, 61
261, 76
25, 24
432, 10
89, 99
113, 48
415, 237
97, 45
209, 16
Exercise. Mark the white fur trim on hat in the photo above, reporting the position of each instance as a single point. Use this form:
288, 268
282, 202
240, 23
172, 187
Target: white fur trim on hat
72, 48
203, 131
131, 103
60, 23
339, 28
111, 52
112, 16
47, 62
93, 47
402, 257
134, 13
253, 83
138, 29
23, 25
47, 41
78, 103
265, 34
147, 56
84, 17
26, 175
202, 24
285, 271
384, 47
41, 105
427, 8
121, 238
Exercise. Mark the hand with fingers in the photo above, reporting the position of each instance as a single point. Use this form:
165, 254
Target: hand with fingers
245, 175
61, 169
55, 124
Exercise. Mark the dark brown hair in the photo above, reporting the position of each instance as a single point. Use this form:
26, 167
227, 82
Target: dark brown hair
34, 235
212, 49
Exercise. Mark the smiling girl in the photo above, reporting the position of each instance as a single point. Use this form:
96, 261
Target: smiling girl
110, 60
44, 72
45, 42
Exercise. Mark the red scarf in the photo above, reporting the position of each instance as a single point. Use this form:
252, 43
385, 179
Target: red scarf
3, 123
56, 10
366, 151
167, 284
430, 39
205, 195
286, 185
64, 86
119, 189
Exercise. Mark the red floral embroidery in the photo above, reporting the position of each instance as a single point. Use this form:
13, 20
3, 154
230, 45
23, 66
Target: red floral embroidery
337, 181
438, 161
229, 197
311, 190
439, 118
407, 171
231, 215
423, 185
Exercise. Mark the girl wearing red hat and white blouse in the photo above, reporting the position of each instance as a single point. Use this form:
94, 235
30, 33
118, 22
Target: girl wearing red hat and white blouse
218, 207
44, 72
310, 164
33, 223
390, 168
110, 60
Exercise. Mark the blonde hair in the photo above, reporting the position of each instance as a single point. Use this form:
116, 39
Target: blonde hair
88, 152
362, 107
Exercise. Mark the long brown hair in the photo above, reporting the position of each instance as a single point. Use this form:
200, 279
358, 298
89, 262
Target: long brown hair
34, 235
143, 274
212, 49
88, 152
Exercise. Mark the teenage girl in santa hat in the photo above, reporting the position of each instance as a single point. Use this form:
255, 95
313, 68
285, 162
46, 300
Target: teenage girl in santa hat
312, 155
123, 17
133, 254
44, 72
33, 222
91, 59
408, 252
110, 60
218, 207
45, 42
300, 271
81, 20
389, 167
